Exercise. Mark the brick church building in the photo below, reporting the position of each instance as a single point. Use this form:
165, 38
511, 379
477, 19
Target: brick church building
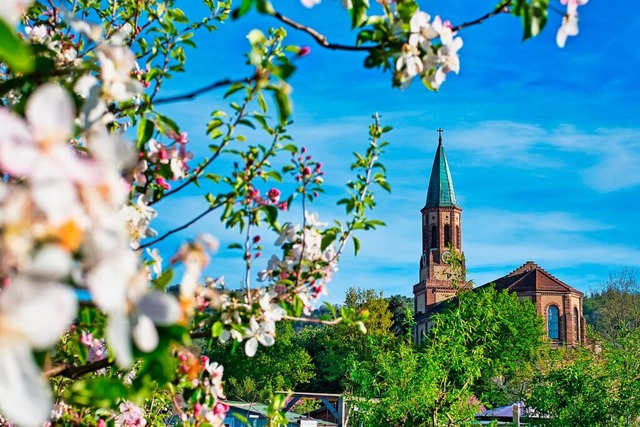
559, 304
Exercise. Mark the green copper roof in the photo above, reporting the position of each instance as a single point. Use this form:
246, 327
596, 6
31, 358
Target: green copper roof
441, 192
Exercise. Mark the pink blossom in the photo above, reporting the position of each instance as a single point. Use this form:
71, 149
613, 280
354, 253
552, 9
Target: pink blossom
274, 195
162, 183
304, 51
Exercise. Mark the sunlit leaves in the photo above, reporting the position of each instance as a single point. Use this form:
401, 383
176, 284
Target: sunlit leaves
533, 14
14, 52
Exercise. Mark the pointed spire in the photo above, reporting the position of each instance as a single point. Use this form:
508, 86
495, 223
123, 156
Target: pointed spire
441, 191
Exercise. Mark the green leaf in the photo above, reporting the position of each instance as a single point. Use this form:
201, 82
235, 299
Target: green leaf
234, 88
262, 103
356, 245
272, 214
234, 246
169, 123
14, 52
98, 392
178, 15
407, 9
145, 131
244, 8
164, 279
264, 6
217, 329
359, 13
328, 238
284, 105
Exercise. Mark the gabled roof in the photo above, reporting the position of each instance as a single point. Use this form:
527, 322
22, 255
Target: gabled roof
441, 192
530, 277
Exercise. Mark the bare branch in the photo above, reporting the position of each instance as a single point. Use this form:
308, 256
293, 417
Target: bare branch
73, 372
324, 42
501, 8
201, 168
321, 38
184, 226
197, 92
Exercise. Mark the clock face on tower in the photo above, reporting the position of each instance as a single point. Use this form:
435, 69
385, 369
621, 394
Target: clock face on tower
445, 257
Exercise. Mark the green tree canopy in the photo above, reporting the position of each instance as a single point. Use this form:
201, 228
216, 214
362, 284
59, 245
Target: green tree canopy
283, 366
477, 346
599, 389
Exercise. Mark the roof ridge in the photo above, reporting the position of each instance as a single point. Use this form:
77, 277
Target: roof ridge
523, 268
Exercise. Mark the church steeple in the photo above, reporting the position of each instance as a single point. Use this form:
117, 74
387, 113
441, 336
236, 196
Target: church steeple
441, 192
441, 233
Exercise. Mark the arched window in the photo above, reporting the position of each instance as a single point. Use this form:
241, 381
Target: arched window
447, 235
553, 322
434, 236
576, 326
458, 236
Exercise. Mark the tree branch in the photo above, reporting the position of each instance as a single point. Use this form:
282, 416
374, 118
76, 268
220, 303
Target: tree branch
197, 92
320, 38
501, 8
201, 168
324, 42
185, 225
73, 372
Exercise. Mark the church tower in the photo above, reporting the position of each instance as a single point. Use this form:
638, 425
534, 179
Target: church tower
441, 233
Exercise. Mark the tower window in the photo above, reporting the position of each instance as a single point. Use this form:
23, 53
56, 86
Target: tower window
447, 235
553, 322
434, 236
458, 237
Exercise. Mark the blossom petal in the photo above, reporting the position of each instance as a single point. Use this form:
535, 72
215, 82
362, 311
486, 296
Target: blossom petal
52, 261
145, 334
40, 311
266, 340
161, 308
251, 347
57, 208
109, 279
50, 112
119, 339
25, 397
18, 152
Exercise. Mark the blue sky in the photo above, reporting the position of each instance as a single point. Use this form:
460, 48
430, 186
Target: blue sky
543, 143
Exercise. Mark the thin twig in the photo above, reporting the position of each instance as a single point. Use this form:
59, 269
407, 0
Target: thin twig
201, 169
324, 42
501, 8
184, 226
320, 38
197, 92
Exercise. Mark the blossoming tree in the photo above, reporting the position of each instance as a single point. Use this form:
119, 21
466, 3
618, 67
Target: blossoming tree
89, 333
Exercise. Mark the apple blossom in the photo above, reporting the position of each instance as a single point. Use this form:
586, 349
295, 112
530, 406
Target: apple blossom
130, 415
569, 25
11, 10
421, 31
116, 64
263, 333
33, 314
310, 3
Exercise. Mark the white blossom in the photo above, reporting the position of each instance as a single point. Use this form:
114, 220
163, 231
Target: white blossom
11, 10
263, 333
310, 3
33, 314
116, 64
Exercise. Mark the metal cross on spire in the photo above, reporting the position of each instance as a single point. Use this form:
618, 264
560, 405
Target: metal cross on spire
440, 135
